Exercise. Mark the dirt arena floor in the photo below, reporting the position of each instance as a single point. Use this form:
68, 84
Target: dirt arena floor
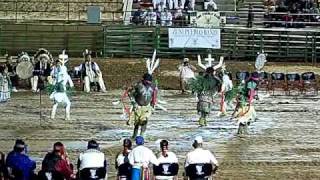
282, 143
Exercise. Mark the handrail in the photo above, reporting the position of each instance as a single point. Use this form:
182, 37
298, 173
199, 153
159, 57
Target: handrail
118, 40
293, 14
56, 2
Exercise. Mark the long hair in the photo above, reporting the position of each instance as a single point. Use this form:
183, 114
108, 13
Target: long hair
2, 160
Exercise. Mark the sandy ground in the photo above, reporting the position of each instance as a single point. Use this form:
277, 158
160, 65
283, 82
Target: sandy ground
120, 72
283, 142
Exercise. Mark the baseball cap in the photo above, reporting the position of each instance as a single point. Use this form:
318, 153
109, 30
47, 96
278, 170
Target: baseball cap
198, 139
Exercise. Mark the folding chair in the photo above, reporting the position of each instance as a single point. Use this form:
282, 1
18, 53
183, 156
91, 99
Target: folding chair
242, 75
293, 82
75, 77
309, 82
264, 81
277, 82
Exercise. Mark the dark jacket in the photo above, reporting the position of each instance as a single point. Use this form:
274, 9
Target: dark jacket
55, 164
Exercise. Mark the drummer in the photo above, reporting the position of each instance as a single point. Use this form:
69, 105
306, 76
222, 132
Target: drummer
12, 73
42, 70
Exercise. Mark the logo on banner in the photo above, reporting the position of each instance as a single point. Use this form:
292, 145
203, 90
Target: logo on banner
194, 38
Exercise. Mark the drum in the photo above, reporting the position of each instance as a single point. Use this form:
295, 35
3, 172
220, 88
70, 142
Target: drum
260, 61
24, 69
23, 57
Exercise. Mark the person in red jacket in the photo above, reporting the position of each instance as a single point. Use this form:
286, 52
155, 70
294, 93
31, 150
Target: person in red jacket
57, 163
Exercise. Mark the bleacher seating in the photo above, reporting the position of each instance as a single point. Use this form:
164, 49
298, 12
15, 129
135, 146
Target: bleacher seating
58, 11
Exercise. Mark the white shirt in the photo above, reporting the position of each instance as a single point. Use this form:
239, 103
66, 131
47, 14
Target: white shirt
227, 83
142, 156
171, 158
90, 67
120, 159
200, 155
91, 158
151, 16
166, 18
186, 72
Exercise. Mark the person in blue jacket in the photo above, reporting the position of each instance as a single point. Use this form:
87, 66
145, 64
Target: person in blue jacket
19, 165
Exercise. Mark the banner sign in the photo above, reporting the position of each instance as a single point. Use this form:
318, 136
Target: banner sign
194, 38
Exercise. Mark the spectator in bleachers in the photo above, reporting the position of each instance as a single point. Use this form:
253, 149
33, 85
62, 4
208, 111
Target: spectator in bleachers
150, 17
156, 3
175, 4
192, 4
315, 10
179, 18
138, 18
170, 4
182, 4
287, 20
162, 5
19, 165
281, 6
166, 18
270, 5
211, 6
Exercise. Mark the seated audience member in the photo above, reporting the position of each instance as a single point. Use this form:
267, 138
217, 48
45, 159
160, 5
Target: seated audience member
166, 18
137, 18
179, 18
92, 162
200, 157
57, 164
19, 165
150, 17
122, 164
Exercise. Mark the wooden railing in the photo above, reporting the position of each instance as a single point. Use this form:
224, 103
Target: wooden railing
139, 41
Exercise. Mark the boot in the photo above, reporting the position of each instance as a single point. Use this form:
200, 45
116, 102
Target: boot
135, 132
67, 116
242, 129
53, 112
202, 122
68, 104
143, 129
34, 83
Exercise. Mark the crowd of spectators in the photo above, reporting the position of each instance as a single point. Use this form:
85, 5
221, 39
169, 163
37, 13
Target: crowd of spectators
168, 12
56, 164
92, 164
152, 17
291, 13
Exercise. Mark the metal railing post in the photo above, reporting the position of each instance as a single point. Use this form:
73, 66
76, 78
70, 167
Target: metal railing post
104, 41
306, 48
261, 42
68, 4
314, 49
130, 41
16, 4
